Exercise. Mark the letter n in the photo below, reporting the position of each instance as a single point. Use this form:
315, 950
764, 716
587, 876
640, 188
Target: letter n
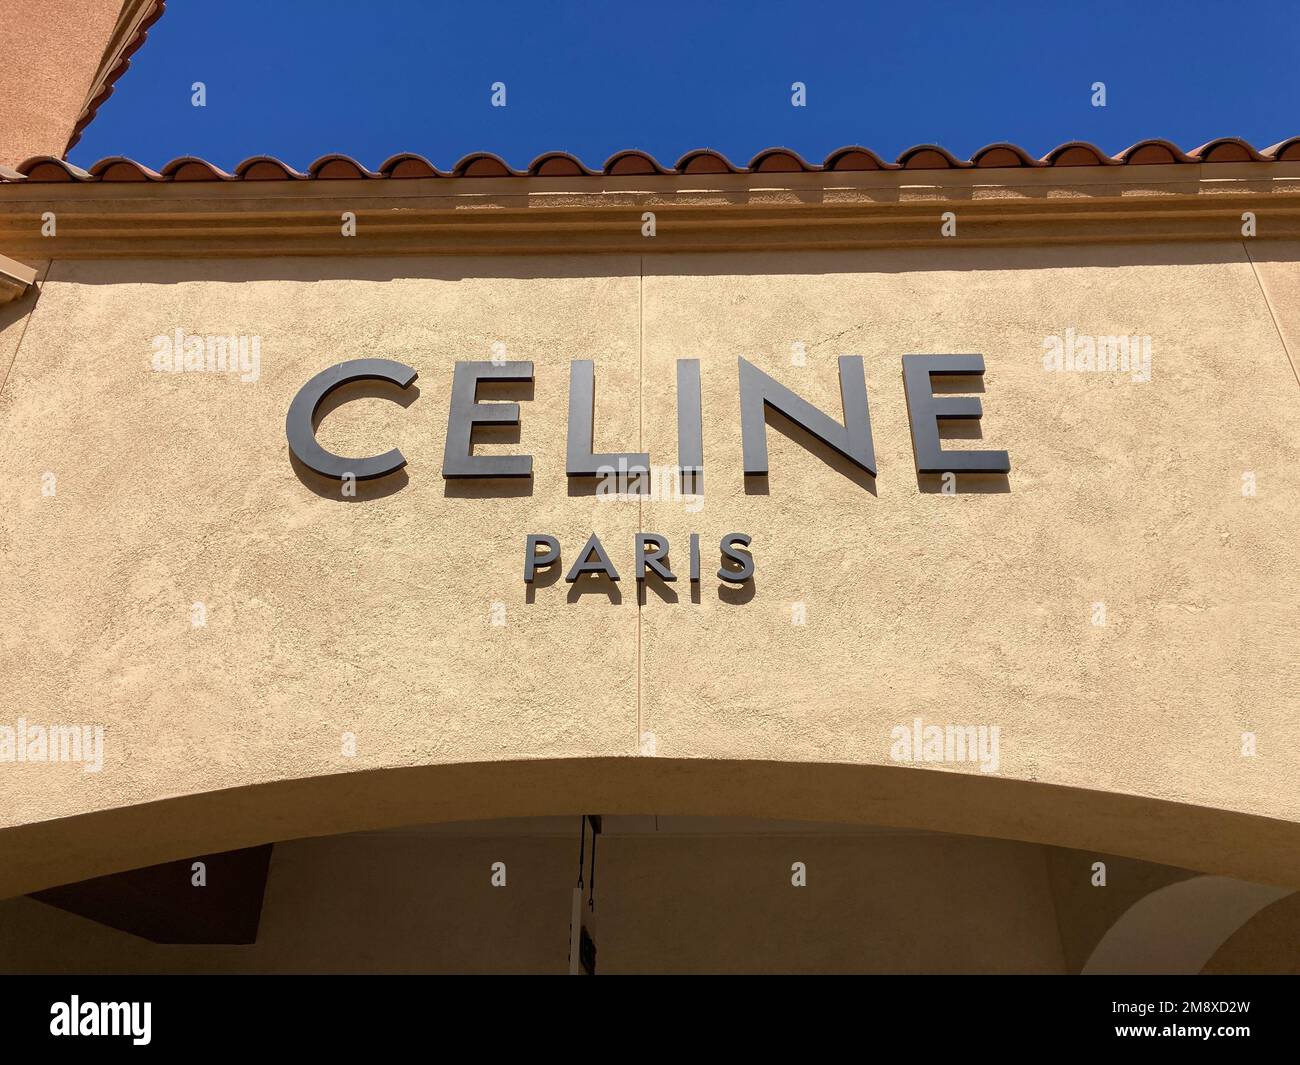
758, 392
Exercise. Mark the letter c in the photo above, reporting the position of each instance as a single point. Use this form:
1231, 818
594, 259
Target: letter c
299, 428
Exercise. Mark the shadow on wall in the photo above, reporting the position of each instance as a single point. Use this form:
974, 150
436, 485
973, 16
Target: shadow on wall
12, 313
1247, 847
665, 264
376, 488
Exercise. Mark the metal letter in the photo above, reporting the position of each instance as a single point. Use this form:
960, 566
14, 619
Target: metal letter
580, 460
924, 409
300, 429
852, 439
746, 560
466, 412
601, 565
653, 558
690, 425
533, 561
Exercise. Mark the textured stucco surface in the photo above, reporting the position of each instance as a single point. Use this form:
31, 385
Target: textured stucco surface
1277, 265
324, 616
49, 54
976, 608
13, 317
373, 616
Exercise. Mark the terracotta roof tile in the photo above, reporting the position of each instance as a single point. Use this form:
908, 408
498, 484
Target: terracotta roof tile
632, 163
48, 168
149, 13
188, 168
1153, 152
408, 165
1226, 150
1002, 155
336, 167
855, 157
778, 161
930, 157
1078, 153
265, 168
704, 161
120, 168
557, 164
1287, 150
483, 164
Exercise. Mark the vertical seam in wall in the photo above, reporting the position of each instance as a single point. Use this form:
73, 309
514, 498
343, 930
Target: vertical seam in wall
22, 335
640, 446
1269, 304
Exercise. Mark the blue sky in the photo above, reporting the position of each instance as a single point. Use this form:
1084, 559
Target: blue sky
301, 78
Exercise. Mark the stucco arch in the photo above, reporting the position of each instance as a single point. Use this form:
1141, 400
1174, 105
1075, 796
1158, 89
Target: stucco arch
50, 852
1180, 927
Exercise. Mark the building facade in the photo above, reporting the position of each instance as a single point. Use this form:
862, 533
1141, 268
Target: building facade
993, 676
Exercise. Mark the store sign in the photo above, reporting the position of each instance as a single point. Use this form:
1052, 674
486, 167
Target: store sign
759, 393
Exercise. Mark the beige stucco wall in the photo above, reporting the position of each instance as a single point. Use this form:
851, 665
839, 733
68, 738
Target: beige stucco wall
373, 616
50, 53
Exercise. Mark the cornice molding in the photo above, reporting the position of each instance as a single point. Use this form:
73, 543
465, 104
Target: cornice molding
586, 214
15, 279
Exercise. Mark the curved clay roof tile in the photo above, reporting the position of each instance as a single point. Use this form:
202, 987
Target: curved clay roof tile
557, 164
929, 157
705, 161
1002, 154
632, 161
120, 168
483, 164
266, 168
1226, 150
1287, 150
192, 168
409, 165
1153, 152
855, 157
338, 168
119, 68
48, 168
779, 161
1078, 153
